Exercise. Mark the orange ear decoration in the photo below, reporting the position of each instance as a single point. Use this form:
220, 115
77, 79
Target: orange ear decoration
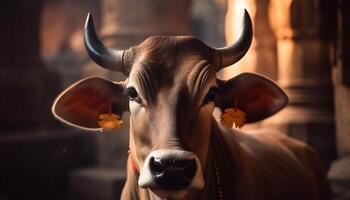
110, 120
233, 116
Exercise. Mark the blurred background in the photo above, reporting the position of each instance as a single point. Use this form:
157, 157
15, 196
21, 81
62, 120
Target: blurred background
304, 45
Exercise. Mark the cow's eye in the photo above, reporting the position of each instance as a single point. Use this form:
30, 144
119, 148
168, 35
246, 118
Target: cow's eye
132, 93
211, 95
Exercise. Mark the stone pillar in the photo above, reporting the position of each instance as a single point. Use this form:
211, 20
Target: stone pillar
262, 55
339, 173
341, 80
26, 86
304, 36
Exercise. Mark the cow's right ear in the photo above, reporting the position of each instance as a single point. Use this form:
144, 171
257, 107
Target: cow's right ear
81, 104
255, 95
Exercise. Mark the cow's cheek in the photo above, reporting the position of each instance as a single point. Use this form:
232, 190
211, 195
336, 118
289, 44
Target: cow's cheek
140, 141
200, 136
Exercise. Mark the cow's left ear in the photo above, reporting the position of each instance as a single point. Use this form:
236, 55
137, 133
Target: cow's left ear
255, 95
83, 103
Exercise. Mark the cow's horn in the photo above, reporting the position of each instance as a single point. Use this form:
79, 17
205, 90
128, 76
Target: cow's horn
108, 58
233, 53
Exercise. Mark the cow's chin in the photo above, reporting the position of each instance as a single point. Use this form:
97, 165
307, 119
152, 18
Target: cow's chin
197, 184
170, 194
181, 193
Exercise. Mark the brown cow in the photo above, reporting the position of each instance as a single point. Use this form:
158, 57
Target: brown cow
178, 149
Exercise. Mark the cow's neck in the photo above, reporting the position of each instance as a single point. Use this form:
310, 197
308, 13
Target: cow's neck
236, 179
220, 175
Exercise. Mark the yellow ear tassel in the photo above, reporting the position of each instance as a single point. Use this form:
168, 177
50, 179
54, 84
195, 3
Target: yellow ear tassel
110, 120
233, 116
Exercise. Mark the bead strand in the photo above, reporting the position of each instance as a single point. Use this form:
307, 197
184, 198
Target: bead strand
218, 180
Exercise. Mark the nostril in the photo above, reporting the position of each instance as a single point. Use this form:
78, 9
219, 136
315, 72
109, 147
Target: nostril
156, 167
190, 170
182, 163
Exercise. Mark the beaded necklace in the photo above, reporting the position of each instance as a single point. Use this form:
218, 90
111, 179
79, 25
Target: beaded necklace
218, 180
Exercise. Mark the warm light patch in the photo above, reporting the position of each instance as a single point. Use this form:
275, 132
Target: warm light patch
233, 116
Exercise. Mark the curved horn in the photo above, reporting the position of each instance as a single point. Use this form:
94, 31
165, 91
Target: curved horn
233, 53
107, 58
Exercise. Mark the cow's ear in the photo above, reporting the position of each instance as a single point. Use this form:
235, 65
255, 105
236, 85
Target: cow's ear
255, 95
82, 103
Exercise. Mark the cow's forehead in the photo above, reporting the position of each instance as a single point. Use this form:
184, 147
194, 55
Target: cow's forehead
173, 52
168, 61
174, 56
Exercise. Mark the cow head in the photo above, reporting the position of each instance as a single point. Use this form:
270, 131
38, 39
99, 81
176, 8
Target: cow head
171, 92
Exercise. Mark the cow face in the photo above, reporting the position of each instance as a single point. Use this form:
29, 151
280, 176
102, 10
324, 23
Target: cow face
171, 93
171, 88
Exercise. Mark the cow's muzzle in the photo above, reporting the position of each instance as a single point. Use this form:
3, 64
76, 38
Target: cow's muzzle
171, 170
